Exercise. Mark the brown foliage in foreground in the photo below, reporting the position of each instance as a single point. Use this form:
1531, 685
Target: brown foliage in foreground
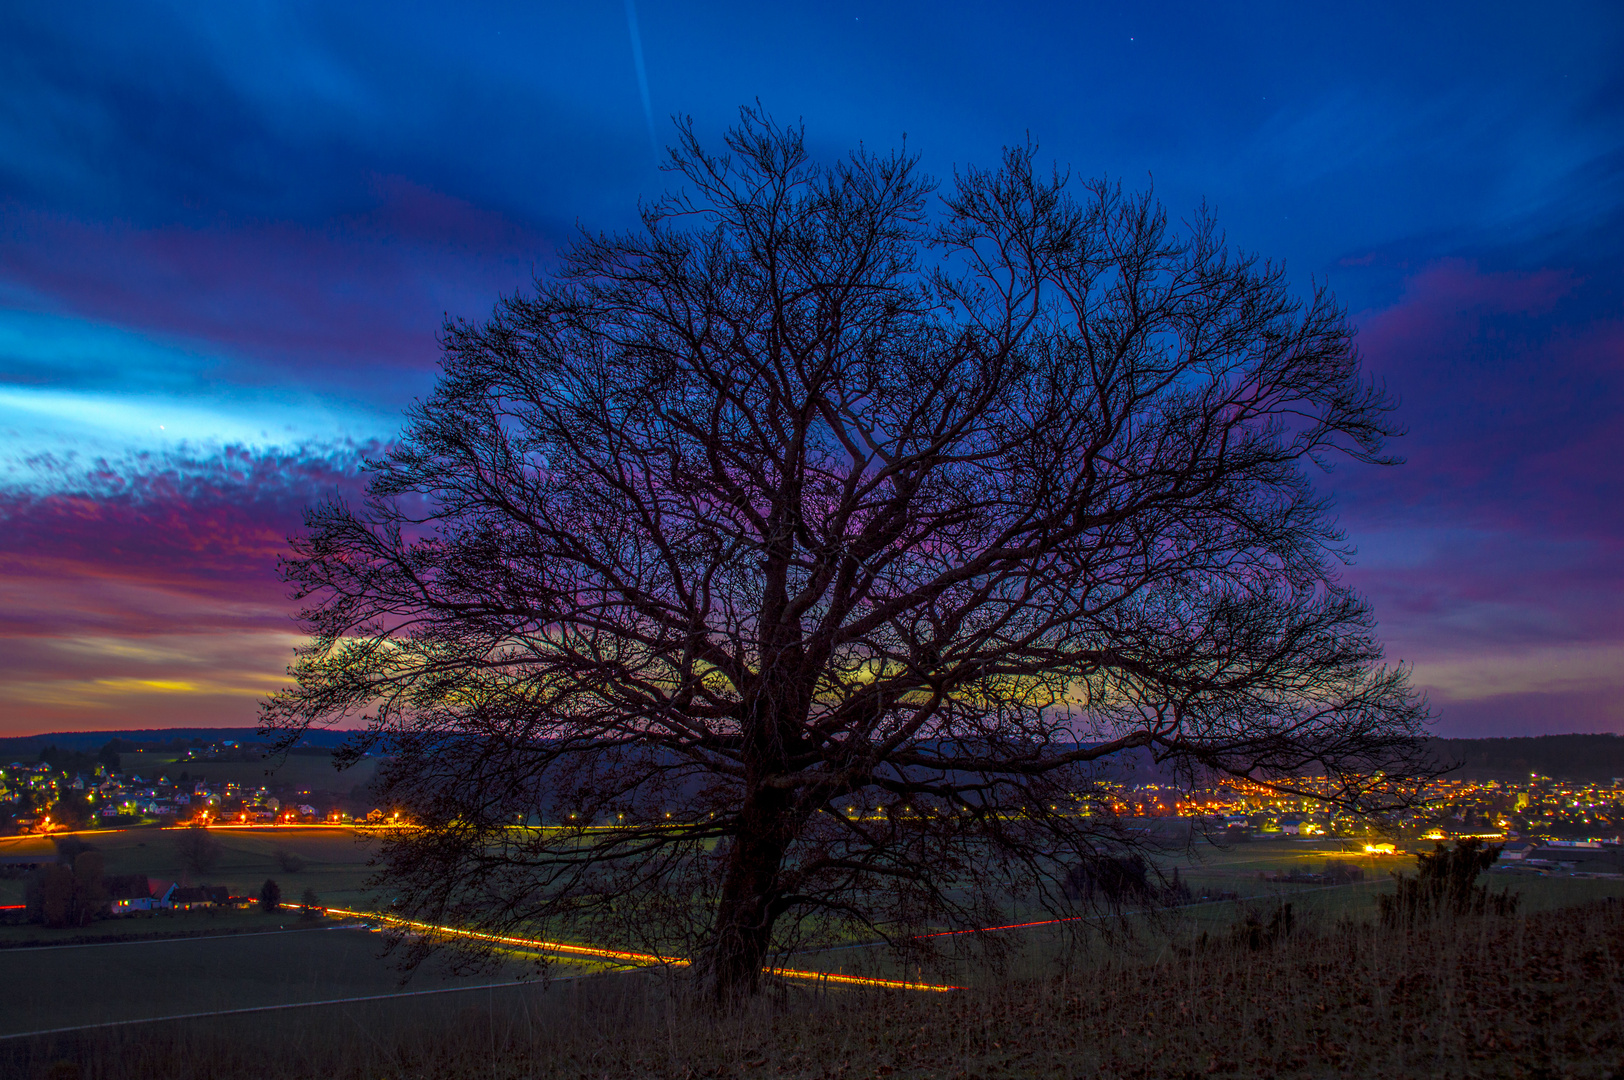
1532, 997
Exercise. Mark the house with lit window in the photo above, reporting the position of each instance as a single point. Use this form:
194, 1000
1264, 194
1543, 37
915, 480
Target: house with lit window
127, 893
130, 893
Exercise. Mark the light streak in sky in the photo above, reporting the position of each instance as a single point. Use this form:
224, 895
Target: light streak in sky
642, 72
623, 956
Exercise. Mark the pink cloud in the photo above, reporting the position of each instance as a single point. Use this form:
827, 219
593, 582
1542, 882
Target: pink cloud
145, 592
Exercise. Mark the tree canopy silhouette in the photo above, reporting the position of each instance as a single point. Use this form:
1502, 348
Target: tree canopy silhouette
800, 558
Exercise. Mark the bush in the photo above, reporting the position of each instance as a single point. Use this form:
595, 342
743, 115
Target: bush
1255, 934
1117, 881
69, 848
288, 861
72, 810
1445, 886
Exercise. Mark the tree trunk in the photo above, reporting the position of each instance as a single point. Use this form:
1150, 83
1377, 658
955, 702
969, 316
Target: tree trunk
746, 912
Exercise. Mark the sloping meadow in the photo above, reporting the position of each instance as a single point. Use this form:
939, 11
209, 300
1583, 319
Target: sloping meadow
1535, 995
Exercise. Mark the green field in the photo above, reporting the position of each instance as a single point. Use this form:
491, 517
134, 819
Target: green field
1026, 988
1346, 1002
333, 860
72, 985
332, 863
1039, 951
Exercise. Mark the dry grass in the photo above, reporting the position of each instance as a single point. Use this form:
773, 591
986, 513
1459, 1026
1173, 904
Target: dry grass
1536, 996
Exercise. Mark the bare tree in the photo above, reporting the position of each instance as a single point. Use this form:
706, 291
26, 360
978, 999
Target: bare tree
199, 852
798, 559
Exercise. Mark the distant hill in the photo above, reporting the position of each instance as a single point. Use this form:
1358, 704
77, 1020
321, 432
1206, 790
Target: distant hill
150, 739
1564, 757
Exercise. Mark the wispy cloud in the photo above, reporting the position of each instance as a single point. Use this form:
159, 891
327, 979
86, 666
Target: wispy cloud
642, 71
146, 587
1495, 556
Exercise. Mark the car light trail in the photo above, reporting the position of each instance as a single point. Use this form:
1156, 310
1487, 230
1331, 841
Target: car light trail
860, 980
525, 943
593, 951
994, 929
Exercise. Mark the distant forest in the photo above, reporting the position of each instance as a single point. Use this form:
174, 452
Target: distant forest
150, 740
1565, 757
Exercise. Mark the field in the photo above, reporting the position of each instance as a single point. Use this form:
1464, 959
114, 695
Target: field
330, 861
1538, 996
1190, 994
277, 963
1039, 951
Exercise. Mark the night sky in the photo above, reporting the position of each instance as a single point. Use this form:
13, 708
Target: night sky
229, 234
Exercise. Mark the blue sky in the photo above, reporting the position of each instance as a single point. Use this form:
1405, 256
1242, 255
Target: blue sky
229, 234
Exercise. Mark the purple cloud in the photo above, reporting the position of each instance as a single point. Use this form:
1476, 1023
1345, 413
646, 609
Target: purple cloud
1495, 556
145, 592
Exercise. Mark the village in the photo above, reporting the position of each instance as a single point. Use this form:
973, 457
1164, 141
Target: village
68, 792
1543, 827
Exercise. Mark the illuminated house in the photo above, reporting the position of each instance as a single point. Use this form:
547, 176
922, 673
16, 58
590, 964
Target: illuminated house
129, 893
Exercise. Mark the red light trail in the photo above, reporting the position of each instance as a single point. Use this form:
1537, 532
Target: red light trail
993, 929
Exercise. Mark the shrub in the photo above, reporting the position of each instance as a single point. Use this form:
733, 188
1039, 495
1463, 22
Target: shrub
1445, 886
69, 848
1255, 934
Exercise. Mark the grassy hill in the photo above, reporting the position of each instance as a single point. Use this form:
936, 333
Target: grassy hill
1539, 995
